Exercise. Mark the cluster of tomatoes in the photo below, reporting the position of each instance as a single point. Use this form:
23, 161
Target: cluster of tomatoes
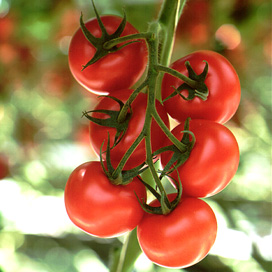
103, 208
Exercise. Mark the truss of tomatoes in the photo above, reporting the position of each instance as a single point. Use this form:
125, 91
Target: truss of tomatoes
105, 208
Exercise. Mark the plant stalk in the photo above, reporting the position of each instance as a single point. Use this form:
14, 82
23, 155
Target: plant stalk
160, 49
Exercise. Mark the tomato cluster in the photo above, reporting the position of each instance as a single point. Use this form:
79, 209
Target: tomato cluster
129, 132
92, 201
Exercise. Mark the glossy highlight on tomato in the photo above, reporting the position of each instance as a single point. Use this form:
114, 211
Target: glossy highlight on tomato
118, 70
213, 161
181, 238
222, 82
100, 208
99, 134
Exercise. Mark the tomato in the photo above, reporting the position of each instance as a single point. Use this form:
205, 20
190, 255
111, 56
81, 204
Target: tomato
213, 161
118, 70
97, 206
181, 238
222, 82
99, 134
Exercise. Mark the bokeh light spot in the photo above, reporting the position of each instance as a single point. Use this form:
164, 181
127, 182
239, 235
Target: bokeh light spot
228, 35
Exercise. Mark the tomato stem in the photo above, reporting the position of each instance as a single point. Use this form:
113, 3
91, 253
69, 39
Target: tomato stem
192, 83
126, 156
125, 108
125, 258
167, 131
168, 20
110, 44
155, 41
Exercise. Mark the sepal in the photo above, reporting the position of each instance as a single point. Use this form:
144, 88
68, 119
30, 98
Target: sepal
165, 205
98, 43
200, 90
116, 175
178, 158
112, 121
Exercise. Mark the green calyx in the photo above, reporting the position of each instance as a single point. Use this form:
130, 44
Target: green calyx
165, 205
194, 84
98, 43
201, 90
118, 176
113, 120
179, 157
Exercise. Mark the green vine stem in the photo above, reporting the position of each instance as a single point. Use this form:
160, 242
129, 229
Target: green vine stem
123, 113
192, 83
124, 258
168, 20
160, 40
108, 45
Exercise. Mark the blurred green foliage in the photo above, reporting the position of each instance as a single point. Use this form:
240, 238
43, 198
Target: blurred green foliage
43, 137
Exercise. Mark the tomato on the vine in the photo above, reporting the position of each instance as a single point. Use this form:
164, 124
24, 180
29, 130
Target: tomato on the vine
222, 82
213, 161
99, 134
100, 208
181, 238
117, 70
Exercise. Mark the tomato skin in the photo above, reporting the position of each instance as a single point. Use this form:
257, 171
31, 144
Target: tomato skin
223, 84
97, 206
181, 238
213, 160
118, 70
99, 134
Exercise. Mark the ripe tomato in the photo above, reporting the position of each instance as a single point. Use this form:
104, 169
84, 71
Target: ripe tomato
99, 134
181, 238
118, 70
213, 160
97, 206
222, 82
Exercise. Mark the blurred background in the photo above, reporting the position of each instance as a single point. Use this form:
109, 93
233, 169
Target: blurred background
43, 137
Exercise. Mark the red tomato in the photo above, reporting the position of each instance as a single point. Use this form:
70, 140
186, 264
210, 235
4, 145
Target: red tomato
97, 206
99, 134
222, 82
115, 71
181, 238
213, 160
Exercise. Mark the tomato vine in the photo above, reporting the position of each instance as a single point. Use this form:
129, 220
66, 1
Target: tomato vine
133, 134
